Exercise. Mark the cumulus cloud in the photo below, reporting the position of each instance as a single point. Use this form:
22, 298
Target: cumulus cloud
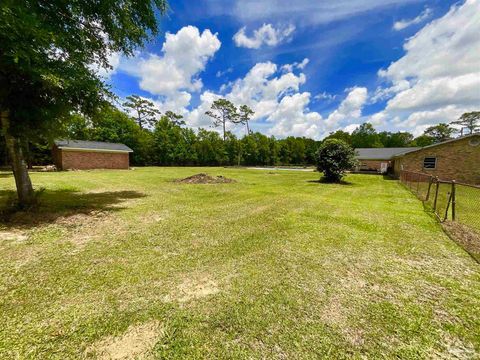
281, 108
402, 24
438, 78
265, 35
349, 109
184, 56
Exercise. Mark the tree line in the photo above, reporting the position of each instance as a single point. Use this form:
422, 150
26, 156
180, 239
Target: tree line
164, 140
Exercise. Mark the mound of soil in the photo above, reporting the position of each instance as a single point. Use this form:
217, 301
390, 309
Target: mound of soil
205, 179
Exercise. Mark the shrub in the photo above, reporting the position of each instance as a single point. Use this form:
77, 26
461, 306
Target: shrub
334, 157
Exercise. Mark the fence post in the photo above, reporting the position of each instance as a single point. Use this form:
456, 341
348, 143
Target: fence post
436, 195
429, 187
453, 200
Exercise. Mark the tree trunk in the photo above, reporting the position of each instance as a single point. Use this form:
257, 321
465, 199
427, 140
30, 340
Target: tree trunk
26, 195
224, 137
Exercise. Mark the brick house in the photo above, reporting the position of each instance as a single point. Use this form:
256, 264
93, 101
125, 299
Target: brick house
82, 155
456, 159
379, 160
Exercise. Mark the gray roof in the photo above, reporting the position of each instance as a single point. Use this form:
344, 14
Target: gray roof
381, 153
92, 145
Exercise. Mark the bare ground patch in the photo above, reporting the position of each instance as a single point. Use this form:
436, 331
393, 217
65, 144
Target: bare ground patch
13, 235
203, 178
136, 343
192, 288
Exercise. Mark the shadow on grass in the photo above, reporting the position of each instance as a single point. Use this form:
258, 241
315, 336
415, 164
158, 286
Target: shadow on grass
54, 204
388, 177
323, 181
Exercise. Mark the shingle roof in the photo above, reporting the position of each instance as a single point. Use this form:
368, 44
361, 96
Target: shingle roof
92, 145
381, 153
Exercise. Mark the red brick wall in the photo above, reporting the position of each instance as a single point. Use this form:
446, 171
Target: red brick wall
458, 160
83, 160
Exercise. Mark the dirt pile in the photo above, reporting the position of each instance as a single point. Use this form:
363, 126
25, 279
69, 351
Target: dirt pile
203, 178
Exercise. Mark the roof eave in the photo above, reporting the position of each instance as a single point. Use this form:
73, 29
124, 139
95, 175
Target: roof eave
67, 148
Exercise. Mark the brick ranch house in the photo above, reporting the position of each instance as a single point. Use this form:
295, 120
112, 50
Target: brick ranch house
379, 160
457, 159
83, 155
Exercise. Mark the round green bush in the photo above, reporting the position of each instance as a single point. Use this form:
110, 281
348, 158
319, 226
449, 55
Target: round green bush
334, 157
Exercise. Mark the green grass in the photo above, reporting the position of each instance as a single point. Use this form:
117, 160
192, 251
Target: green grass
275, 265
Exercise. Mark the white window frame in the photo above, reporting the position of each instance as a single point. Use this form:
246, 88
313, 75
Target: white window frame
430, 168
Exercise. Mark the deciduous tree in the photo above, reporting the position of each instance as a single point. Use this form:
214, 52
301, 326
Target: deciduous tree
440, 132
47, 49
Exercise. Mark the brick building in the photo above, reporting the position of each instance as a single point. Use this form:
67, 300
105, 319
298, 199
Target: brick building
456, 159
378, 159
82, 155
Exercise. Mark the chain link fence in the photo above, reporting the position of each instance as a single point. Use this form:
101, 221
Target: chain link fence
449, 200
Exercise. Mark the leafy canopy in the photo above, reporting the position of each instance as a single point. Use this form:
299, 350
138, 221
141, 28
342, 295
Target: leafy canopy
334, 158
144, 110
470, 120
223, 111
48, 50
440, 132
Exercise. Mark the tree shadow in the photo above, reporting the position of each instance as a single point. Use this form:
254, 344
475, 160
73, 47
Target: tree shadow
55, 204
325, 182
388, 177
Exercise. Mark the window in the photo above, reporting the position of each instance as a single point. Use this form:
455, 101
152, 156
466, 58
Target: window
430, 163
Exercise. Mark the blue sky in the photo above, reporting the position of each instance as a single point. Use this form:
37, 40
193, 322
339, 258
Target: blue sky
311, 67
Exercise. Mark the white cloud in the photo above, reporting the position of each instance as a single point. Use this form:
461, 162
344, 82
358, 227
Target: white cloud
291, 117
438, 78
351, 128
185, 55
281, 108
265, 35
402, 24
325, 96
114, 61
349, 109
296, 65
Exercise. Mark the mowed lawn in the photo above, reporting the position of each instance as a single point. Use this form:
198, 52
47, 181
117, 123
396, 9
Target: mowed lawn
276, 265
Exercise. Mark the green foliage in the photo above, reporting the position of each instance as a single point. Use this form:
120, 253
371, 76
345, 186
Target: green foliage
223, 111
365, 136
440, 132
340, 135
46, 54
398, 139
244, 116
334, 157
423, 140
470, 120
145, 111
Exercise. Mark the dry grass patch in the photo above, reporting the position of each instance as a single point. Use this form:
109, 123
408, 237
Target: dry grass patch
193, 288
13, 235
136, 343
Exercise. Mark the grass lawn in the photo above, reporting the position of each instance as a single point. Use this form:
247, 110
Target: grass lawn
276, 265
